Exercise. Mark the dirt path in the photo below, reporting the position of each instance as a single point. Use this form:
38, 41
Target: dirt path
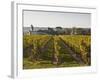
46, 43
72, 53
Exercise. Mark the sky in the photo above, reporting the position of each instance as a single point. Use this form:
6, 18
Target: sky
54, 19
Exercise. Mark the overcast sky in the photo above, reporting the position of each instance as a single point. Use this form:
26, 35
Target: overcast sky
54, 19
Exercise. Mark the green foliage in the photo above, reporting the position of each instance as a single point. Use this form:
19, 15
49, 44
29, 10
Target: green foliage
46, 51
80, 44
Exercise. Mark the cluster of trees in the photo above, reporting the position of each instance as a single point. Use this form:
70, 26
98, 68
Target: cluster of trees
64, 31
67, 31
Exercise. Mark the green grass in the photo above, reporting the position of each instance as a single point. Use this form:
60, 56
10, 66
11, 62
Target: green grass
27, 64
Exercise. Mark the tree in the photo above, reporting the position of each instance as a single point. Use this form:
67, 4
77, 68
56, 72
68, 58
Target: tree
59, 30
51, 31
32, 27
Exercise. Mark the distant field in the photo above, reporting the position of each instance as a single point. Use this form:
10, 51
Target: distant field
52, 51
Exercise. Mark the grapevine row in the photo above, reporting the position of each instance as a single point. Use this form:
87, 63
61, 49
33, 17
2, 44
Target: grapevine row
80, 45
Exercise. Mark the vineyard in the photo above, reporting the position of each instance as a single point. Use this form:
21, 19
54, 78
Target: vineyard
52, 51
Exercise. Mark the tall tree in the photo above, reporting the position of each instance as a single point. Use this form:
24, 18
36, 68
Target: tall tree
32, 27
